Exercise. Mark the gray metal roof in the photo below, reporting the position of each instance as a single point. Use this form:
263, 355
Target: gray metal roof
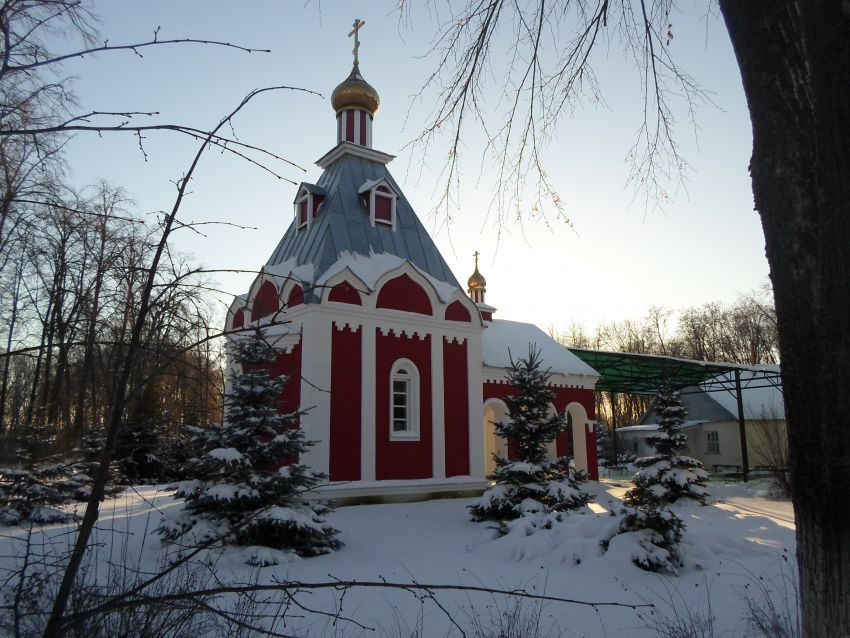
342, 224
700, 406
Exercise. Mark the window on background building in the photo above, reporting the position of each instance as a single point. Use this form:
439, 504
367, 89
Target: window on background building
404, 401
712, 442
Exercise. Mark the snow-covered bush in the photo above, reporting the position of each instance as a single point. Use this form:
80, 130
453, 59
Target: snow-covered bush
39, 484
656, 532
530, 485
242, 493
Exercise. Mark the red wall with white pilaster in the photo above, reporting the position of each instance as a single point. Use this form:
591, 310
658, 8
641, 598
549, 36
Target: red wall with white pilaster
289, 363
346, 354
402, 459
456, 407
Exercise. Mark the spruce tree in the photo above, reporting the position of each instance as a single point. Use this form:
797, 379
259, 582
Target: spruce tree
89, 452
667, 476
662, 479
529, 484
39, 484
243, 494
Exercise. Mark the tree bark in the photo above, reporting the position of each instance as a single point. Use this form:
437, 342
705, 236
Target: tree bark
795, 65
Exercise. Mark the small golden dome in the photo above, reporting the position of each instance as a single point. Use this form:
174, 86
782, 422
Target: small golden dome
477, 279
355, 92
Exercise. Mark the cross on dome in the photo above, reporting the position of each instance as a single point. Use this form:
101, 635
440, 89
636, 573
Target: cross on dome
358, 24
476, 283
355, 101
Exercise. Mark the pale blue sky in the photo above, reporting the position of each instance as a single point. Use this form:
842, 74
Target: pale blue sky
707, 245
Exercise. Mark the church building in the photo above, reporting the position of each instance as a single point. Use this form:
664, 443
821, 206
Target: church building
400, 371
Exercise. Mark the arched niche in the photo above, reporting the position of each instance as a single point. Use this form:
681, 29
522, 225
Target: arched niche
238, 319
495, 411
403, 293
456, 311
344, 292
296, 297
266, 301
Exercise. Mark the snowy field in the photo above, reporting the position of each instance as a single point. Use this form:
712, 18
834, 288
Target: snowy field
739, 548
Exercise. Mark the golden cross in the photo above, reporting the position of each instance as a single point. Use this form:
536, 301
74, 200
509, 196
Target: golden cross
475, 254
358, 24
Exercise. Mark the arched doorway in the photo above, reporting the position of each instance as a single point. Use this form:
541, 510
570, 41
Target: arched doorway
577, 415
495, 411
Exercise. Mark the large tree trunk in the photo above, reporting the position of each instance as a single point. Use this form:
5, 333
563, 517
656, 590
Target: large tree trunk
795, 64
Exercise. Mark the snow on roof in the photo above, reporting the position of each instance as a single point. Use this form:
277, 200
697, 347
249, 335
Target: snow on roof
369, 184
310, 188
290, 268
372, 267
268, 330
761, 398
653, 427
503, 339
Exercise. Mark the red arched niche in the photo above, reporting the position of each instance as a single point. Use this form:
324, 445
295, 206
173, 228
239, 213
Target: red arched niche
345, 293
457, 312
238, 320
265, 302
296, 297
402, 293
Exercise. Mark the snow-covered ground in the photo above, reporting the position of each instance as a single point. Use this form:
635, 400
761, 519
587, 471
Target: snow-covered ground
741, 546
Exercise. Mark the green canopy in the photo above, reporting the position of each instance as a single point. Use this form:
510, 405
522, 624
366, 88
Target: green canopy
644, 373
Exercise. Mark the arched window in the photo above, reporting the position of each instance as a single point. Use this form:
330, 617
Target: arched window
404, 400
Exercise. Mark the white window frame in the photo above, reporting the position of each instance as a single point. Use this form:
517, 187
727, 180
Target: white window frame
311, 213
392, 196
411, 433
712, 442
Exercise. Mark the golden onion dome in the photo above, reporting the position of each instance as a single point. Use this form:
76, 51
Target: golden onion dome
477, 279
355, 92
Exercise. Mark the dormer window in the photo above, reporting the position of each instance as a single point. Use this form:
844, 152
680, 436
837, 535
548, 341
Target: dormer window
380, 199
384, 204
307, 204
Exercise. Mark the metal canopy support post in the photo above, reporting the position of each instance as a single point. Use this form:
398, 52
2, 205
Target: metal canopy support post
742, 427
614, 428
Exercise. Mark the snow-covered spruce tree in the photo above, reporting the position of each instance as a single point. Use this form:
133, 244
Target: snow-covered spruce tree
667, 476
89, 451
661, 480
39, 484
240, 496
529, 484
